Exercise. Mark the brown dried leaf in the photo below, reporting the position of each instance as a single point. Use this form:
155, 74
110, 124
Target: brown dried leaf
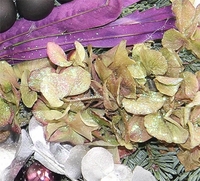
190, 158
175, 66
185, 16
189, 86
121, 58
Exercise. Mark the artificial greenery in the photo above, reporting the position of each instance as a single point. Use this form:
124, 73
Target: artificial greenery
160, 159
144, 5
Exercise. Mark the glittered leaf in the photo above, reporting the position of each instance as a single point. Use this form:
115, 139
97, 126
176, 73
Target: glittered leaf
167, 85
5, 113
10, 93
28, 96
79, 55
153, 61
44, 114
137, 129
185, 15
175, 66
36, 77
145, 104
87, 118
102, 70
194, 45
71, 81
30, 65
169, 131
189, 86
109, 101
195, 101
194, 131
173, 39
7, 74
121, 54
57, 55
38, 111
137, 70
80, 127
63, 134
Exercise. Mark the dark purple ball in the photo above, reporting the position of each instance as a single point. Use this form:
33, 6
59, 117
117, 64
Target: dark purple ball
63, 1
37, 172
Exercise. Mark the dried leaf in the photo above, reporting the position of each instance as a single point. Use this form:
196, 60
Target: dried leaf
137, 70
36, 77
57, 55
102, 70
167, 85
190, 158
137, 129
185, 15
189, 86
195, 101
121, 54
162, 129
7, 74
173, 39
175, 66
145, 104
80, 127
62, 133
5, 113
71, 81
87, 118
153, 61
194, 131
80, 55
30, 65
29, 97
39, 110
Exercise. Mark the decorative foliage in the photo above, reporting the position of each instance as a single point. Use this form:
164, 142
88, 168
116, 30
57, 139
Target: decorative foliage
27, 40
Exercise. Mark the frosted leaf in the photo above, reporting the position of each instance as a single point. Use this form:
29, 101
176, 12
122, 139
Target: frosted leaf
120, 173
98, 159
140, 174
73, 163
